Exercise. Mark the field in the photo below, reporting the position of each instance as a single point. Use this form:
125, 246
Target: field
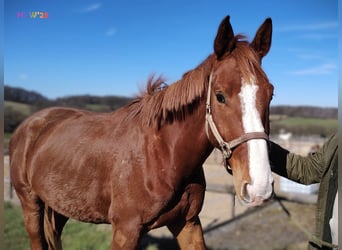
15, 233
304, 126
25, 109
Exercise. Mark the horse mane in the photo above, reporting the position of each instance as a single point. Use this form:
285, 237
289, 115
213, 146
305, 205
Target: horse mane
161, 103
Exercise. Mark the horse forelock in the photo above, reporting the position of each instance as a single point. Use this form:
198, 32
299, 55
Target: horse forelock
247, 60
161, 103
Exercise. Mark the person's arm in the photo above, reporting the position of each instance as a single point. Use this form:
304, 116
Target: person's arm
278, 159
302, 169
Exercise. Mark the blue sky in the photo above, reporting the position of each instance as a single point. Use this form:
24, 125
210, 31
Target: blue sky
106, 47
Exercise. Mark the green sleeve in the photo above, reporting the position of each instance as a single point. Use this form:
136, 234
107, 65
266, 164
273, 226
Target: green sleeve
302, 169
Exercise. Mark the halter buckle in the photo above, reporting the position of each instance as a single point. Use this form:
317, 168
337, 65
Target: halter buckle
208, 109
226, 150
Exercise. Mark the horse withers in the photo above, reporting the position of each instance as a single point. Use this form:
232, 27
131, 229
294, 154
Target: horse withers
140, 167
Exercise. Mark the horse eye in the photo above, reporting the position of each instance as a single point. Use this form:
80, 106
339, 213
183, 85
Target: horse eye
220, 98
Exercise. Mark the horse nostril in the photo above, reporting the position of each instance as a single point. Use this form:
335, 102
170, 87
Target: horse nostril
244, 193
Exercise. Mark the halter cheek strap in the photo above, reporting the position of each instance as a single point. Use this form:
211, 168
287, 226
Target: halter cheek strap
226, 147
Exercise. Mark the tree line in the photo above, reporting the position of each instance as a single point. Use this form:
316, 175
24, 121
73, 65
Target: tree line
35, 101
305, 111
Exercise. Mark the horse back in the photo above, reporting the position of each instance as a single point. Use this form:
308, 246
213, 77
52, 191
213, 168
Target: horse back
28, 132
25, 138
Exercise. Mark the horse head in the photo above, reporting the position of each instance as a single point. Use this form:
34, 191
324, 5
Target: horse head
237, 116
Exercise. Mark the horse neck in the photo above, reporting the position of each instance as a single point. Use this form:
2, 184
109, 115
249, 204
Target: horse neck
189, 138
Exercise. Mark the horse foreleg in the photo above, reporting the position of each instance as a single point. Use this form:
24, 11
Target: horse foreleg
125, 235
189, 234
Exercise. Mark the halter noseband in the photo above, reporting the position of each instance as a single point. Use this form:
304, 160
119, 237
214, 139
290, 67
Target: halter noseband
226, 147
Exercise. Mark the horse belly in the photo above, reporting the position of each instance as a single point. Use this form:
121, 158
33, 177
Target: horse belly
72, 187
83, 203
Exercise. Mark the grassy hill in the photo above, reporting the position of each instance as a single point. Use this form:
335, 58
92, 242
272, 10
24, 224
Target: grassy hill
304, 125
23, 108
303, 120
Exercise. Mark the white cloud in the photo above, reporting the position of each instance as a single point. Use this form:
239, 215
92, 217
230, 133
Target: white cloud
23, 76
310, 27
91, 8
323, 69
111, 31
317, 36
309, 56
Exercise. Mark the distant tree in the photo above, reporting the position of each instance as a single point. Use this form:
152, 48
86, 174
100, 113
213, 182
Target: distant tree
305, 111
22, 96
12, 118
108, 103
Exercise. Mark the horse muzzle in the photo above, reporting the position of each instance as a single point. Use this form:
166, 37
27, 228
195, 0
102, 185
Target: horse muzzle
256, 195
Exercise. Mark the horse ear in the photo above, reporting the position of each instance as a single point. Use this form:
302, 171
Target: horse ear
263, 38
224, 41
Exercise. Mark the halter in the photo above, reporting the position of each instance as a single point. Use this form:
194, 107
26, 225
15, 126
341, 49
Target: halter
226, 147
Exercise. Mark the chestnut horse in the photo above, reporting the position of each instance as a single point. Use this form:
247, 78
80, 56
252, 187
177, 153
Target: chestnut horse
140, 167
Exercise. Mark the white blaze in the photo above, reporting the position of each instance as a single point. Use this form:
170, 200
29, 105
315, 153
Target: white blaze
259, 167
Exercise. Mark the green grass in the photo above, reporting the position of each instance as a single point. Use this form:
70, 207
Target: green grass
83, 236
76, 235
300, 121
7, 137
305, 126
97, 107
15, 237
25, 109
